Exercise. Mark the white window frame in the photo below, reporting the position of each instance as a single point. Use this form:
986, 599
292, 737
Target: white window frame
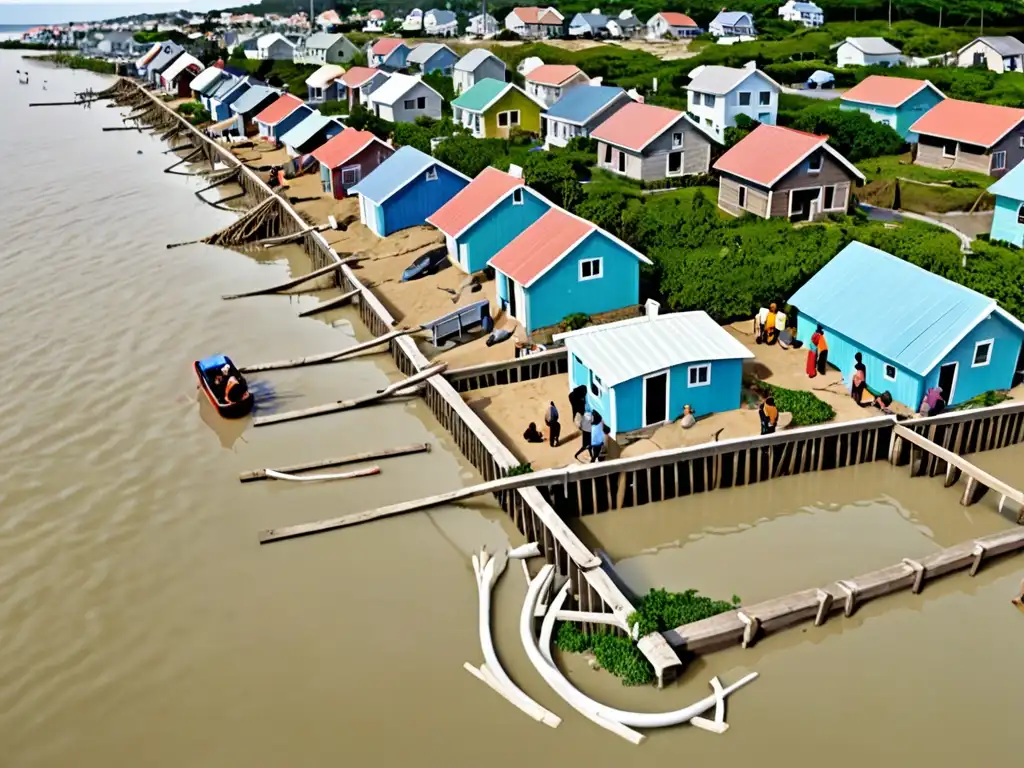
750, 99
599, 260
1021, 139
518, 198
742, 195
667, 372
677, 144
1001, 154
408, 103
505, 116
988, 358
511, 118
464, 253
682, 163
693, 369
956, 149
821, 163
350, 169
595, 383
317, 94
764, 102
431, 174
835, 198
802, 189
885, 372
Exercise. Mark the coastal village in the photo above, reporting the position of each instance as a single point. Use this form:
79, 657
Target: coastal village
519, 222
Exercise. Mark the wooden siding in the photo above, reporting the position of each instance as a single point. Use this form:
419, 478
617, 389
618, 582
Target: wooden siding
367, 160
832, 173
696, 152
969, 157
729, 195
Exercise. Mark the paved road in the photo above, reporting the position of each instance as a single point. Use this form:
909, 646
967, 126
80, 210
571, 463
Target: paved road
829, 94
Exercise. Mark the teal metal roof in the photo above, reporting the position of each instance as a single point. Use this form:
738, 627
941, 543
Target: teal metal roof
307, 129
1011, 185
253, 99
481, 95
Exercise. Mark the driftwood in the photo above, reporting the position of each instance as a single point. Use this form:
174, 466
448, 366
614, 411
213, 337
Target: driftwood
328, 357
398, 389
62, 103
288, 284
188, 158
124, 128
219, 204
404, 450
334, 303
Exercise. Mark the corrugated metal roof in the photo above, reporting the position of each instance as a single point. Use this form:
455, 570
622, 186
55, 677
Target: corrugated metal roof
474, 59
423, 52
253, 99
875, 46
395, 173
578, 105
207, 81
884, 91
1011, 185
553, 74
969, 121
280, 109
904, 313
636, 125
625, 350
475, 199
482, 95
307, 129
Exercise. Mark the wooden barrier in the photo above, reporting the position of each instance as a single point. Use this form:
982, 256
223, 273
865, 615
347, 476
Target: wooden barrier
536, 366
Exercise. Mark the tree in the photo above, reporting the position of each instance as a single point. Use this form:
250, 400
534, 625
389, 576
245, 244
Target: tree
468, 155
553, 176
855, 135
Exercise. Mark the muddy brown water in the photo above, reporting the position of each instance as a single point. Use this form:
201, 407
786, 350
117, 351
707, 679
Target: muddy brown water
141, 623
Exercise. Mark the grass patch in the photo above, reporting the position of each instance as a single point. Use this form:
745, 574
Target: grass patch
984, 400
960, 190
80, 62
807, 408
893, 166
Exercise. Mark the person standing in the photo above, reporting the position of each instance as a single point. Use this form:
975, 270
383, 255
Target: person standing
822, 346
554, 427
584, 421
860, 378
596, 436
812, 356
769, 416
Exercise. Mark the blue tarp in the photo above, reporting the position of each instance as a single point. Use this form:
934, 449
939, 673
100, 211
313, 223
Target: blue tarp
213, 362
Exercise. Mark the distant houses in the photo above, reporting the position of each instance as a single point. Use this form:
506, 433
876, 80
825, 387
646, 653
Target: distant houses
432, 57
549, 82
867, 52
648, 143
1008, 217
732, 24
802, 12
492, 109
324, 84
403, 98
405, 190
779, 172
970, 136
275, 47
561, 265
894, 101
483, 26
356, 85
716, 95
281, 116
324, 48
475, 66
440, 23
674, 360
535, 23
490, 212
671, 24
580, 111
914, 329
178, 76
347, 158
389, 53
997, 54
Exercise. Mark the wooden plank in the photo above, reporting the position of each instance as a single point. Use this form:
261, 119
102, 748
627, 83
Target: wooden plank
287, 284
328, 357
404, 450
338, 301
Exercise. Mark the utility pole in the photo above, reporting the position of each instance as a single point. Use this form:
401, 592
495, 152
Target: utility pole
983, 19
890, 13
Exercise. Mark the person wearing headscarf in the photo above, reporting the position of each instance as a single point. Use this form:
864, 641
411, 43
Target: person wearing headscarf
822, 346
770, 332
769, 416
812, 355
859, 380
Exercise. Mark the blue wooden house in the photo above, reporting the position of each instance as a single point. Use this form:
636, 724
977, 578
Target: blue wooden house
404, 190
280, 116
1008, 217
311, 133
486, 216
894, 101
915, 330
642, 372
251, 103
562, 265
432, 57
229, 91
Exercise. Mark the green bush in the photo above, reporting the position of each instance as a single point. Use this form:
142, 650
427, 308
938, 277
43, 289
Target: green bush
575, 321
807, 409
853, 134
521, 469
614, 653
334, 107
660, 610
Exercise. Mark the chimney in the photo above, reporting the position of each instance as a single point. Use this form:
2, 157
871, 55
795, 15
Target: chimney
651, 308
515, 170
596, 80
750, 65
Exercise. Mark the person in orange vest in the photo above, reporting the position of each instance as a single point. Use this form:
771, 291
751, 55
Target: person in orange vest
769, 416
822, 346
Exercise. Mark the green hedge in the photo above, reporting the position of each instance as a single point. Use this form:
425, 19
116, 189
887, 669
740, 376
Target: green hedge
807, 409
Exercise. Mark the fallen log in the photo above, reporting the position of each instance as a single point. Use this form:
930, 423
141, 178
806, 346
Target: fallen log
275, 475
334, 303
328, 357
404, 450
123, 128
398, 389
62, 103
286, 285
220, 203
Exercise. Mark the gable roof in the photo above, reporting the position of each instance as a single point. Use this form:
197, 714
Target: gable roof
545, 243
252, 98
720, 80
344, 146
227, 85
534, 15
396, 87
474, 200
677, 19
553, 74
485, 92
324, 40
423, 52
307, 129
474, 59
628, 349
265, 41
397, 172
968, 121
169, 51
1011, 185
207, 81
357, 76
769, 152
732, 18
149, 55
885, 91
325, 75
578, 105
636, 125
904, 313
180, 64
593, 20
873, 46
442, 17
1003, 45
385, 46
280, 109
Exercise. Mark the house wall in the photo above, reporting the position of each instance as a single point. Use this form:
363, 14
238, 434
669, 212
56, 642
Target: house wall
633, 161
993, 60
279, 50
367, 161
560, 292
998, 374
696, 152
898, 118
832, 174
579, 374
410, 206
289, 122
729, 197
850, 56
372, 216
497, 229
968, 156
1011, 145
549, 94
442, 61
529, 115
398, 113
722, 114
1005, 226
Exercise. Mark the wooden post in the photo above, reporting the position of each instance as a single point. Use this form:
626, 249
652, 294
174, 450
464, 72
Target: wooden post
918, 570
824, 606
850, 590
288, 284
751, 626
979, 554
952, 475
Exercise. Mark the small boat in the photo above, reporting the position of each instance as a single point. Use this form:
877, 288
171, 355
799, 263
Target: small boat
207, 370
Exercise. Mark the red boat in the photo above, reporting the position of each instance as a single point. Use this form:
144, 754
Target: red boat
207, 370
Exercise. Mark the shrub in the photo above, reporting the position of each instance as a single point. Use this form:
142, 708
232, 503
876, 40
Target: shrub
507, 34
619, 655
468, 155
660, 610
521, 469
575, 321
855, 135
807, 409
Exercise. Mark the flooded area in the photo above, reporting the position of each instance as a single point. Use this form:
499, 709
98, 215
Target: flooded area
142, 624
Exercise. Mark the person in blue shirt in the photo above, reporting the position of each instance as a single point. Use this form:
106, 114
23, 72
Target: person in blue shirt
597, 433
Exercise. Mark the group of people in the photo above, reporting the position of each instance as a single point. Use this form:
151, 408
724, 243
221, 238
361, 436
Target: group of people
227, 387
769, 331
594, 432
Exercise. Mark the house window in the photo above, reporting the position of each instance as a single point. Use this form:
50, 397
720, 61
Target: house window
699, 375
508, 118
350, 175
982, 353
409, 103
590, 269
476, 123
421, 102
889, 372
814, 163
764, 98
431, 175
1021, 140
830, 198
744, 98
999, 161
622, 161
596, 387
707, 121
1020, 214
743, 197
709, 100
949, 149
517, 196
608, 153
316, 94
677, 139
675, 164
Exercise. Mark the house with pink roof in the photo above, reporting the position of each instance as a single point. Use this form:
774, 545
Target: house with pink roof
535, 23
388, 53
671, 24
549, 82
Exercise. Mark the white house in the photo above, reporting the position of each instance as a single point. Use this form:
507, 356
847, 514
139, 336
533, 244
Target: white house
594, 24
440, 23
867, 52
732, 24
802, 12
535, 22
403, 98
324, 48
413, 21
717, 94
374, 21
998, 54
479, 64
275, 46
483, 26
549, 82
669, 24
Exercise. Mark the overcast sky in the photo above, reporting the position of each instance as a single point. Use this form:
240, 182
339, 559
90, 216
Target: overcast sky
37, 12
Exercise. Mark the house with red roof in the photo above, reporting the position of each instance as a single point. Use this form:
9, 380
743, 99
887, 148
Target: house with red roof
281, 116
671, 24
347, 157
356, 85
561, 265
647, 143
969, 136
388, 53
535, 23
486, 215
894, 101
549, 82
776, 171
